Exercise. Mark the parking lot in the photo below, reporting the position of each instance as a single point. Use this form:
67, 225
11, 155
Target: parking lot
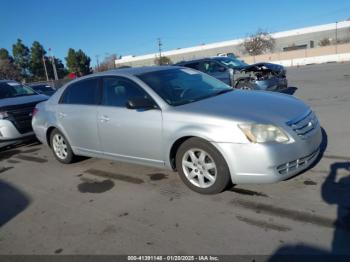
103, 207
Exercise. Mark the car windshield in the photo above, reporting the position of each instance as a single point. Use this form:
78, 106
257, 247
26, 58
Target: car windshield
42, 88
180, 86
232, 62
14, 89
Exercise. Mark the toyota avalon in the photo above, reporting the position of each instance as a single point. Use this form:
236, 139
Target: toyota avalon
181, 119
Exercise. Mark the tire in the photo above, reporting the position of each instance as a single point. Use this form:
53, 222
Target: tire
195, 174
61, 147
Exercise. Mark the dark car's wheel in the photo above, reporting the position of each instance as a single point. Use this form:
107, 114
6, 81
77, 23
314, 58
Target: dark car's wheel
201, 167
60, 147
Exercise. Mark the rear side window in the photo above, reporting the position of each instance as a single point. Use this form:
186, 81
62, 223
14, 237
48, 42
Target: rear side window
84, 92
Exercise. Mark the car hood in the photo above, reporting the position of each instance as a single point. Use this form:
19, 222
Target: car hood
263, 66
248, 106
15, 101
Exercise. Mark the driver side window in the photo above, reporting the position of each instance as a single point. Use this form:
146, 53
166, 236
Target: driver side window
118, 90
211, 67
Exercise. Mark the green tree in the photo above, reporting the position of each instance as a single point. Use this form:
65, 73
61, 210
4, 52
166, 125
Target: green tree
4, 54
83, 63
36, 61
21, 57
78, 62
71, 61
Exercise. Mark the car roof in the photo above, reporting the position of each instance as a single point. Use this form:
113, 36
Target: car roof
127, 72
137, 70
200, 59
8, 81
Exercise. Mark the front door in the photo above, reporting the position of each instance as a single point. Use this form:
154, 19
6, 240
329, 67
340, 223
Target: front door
129, 134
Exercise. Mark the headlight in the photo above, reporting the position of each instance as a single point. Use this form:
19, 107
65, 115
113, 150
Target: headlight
3, 115
259, 133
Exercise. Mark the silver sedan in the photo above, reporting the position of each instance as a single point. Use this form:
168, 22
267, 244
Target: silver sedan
184, 120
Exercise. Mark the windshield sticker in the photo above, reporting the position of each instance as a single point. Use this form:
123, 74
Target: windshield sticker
189, 71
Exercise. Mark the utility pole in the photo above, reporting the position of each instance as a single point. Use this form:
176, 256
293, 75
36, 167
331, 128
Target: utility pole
336, 37
52, 58
98, 63
160, 50
47, 77
54, 67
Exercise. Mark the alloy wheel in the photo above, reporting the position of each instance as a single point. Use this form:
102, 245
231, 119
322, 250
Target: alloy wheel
199, 168
59, 146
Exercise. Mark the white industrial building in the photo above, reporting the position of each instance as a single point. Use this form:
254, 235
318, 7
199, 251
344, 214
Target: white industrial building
296, 39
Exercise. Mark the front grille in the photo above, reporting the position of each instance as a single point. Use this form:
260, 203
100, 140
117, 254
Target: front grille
296, 164
21, 117
304, 125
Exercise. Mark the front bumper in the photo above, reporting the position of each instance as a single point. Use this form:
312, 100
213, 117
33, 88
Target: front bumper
9, 133
272, 84
269, 163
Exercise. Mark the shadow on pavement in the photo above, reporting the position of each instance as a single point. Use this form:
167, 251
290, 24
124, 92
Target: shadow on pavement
12, 202
335, 191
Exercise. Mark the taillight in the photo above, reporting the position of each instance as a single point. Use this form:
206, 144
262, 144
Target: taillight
35, 110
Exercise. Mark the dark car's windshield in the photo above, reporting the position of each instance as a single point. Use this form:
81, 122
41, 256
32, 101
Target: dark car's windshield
180, 86
14, 89
42, 88
232, 62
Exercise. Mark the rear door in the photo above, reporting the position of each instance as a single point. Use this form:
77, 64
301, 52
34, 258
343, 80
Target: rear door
77, 112
129, 134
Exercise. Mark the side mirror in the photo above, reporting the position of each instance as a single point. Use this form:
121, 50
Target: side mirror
140, 103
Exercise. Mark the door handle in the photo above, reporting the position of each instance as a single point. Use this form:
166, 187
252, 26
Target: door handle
61, 115
104, 119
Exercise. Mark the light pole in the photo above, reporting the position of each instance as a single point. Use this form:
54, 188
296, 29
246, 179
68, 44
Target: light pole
47, 77
52, 58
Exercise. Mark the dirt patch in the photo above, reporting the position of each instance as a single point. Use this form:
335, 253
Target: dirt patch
32, 159
310, 183
32, 150
96, 187
263, 224
106, 174
157, 176
285, 213
4, 169
12, 161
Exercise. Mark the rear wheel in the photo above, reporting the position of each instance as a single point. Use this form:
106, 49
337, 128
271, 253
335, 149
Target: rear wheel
60, 147
201, 167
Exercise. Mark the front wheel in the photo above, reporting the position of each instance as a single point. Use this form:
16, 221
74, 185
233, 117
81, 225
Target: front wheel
201, 167
60, 147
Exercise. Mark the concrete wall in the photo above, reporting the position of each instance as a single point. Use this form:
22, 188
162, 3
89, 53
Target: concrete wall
333, 53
